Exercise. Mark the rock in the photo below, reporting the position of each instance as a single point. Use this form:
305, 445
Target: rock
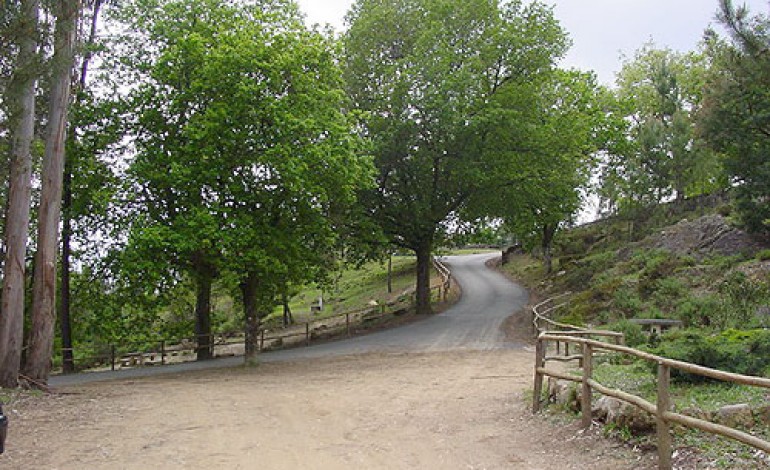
623, 415
606, 408
563, 392
762, 414
698, 413
735, 416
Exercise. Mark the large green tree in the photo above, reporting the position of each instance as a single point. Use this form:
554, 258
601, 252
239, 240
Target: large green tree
432, 77
243, 152
571, 119
736, 116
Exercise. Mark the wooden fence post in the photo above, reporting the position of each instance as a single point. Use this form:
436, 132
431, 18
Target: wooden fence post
163, 352
112, 357
539, 362
347, 323
261, 339
585, 399
662, 426
307, 334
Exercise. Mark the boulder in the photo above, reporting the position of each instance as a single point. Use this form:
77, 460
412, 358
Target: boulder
762, 414
735, 416
564, 392
623, 415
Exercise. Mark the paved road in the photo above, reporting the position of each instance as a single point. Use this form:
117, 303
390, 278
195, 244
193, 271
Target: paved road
473, 323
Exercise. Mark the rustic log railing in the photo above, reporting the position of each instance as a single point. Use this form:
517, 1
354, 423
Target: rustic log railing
661, 409
446, 279
158, 350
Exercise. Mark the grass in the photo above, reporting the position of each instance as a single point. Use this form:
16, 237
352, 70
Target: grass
355, 288
636, 378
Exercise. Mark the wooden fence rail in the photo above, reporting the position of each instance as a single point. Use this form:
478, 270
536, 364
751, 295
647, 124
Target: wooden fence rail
664, 417
158, 350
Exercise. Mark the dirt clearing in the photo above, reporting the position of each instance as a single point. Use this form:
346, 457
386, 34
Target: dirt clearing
457, 410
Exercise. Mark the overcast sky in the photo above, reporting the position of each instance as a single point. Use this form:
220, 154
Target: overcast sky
601, 30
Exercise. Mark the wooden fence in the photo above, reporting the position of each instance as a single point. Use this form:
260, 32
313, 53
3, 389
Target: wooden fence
661, 409
159, 351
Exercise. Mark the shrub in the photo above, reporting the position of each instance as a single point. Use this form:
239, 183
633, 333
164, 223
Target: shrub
763, 255
740, 351
633, 332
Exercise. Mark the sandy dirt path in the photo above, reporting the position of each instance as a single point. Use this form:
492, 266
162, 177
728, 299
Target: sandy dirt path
448, 410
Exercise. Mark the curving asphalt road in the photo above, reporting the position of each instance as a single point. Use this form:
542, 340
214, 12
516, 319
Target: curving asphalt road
474, 323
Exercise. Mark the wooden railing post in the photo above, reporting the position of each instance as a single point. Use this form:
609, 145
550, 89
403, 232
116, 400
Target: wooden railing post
261, 339
585, 399
163, 352
307, 334
347, 323
539, 362
112, 357
662, 426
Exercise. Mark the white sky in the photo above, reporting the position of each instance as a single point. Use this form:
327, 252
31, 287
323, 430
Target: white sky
601, 30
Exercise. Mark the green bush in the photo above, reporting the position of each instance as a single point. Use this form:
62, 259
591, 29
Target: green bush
763, 255
740, 351
634, 334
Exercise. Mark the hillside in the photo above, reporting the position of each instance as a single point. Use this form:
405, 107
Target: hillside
693, 266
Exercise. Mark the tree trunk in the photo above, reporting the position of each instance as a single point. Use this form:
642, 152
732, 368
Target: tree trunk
20, 98
204, 281
390, 273
251, 315
38, 363
549, 230
423, 253
65, 323
288, 318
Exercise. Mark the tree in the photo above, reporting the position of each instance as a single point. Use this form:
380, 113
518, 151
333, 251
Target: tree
735, 118
20, 99
659, 92
245, 160
572, 116
431, 77
40, 343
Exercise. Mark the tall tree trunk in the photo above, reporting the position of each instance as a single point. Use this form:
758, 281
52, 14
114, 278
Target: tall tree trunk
423, 252
390, 273
65, 325
65, 322
38, 363
549, 230
20, 96
249, 288
204, 281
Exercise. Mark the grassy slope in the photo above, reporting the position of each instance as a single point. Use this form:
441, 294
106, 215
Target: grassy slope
613, 278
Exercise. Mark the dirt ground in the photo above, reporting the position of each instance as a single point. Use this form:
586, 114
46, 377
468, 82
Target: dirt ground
458, 410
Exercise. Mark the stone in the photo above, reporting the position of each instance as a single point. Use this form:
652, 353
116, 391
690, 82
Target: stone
762, 414
735, 416
623, 415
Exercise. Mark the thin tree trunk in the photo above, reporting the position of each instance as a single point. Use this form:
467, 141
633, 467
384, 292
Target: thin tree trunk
423, 279
390, 273
549, 231
20, 97
251, 316
38, 363
203, 315
65, 323
288, 319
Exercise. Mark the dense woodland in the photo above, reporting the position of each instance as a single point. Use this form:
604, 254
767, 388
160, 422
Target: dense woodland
159, 152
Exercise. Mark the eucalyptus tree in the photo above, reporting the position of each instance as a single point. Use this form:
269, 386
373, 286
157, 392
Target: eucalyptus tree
432, 78
19, 101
